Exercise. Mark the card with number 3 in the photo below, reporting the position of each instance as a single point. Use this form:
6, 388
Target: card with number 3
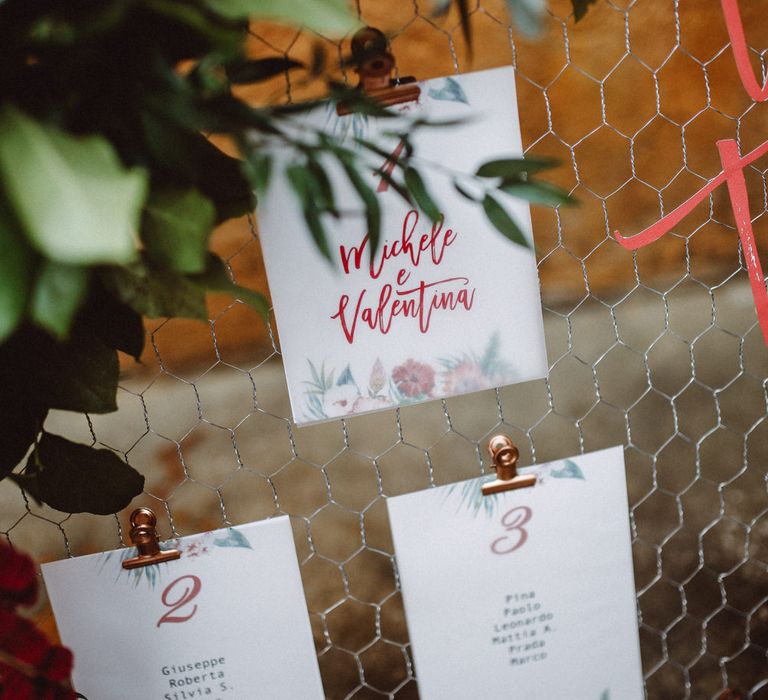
227, 620
526, 593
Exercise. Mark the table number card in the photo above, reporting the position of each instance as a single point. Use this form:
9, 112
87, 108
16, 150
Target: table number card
524, 594
228, 620
443, 309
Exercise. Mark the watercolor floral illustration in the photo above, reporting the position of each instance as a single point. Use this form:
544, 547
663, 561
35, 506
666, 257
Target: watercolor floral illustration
467, 496
190, 548
330, 395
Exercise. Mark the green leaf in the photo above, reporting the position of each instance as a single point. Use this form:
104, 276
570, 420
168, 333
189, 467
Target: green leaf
75, 478
244, 71
538, 193
370, 202
259, 168
116, 324
332, 17
22, 410
155, 293
417, 187
465, 193
498, 216
527, 14
222, 178
466, 28
191, 159
514, 167
75, 200
78, 375
16, 261
81, 375
22, 422
188, 20
217, 279
67, 30
175, 229
303, 186
58, 292
322, 185
580, 8
398, 187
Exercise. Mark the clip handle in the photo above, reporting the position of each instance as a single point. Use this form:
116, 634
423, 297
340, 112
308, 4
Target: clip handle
144, 537
504, 455
374, 65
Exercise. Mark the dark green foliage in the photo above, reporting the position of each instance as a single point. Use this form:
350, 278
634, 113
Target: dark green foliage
109, 190
580, 8
101, 136
503, 222
79, 479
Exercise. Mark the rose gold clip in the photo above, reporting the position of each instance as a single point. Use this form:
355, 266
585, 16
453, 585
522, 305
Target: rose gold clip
730, 694
370, 51
144, 536
505, 455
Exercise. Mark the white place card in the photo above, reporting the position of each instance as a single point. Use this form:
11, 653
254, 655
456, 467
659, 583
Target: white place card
524, 594
226, 621
443, 309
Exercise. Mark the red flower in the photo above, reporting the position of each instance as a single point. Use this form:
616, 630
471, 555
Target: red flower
413, 378
18, 581
31, 668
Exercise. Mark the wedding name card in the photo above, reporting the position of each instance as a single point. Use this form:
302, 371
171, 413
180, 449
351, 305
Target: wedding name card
228, 620
524, 594
443, 308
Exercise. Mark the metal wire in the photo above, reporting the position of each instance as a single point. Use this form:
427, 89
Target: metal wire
658, 351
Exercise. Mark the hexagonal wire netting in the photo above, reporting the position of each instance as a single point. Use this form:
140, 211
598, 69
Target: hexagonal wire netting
658, 350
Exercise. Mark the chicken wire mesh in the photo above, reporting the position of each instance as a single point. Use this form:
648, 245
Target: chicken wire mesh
657, 350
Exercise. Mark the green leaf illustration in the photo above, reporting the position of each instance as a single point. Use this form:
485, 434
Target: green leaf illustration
233, 538
569, 470
346, 377
450, 91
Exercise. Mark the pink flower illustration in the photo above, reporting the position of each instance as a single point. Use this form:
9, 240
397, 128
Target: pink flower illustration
413, 378
370, 403
463, 378
378, 377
